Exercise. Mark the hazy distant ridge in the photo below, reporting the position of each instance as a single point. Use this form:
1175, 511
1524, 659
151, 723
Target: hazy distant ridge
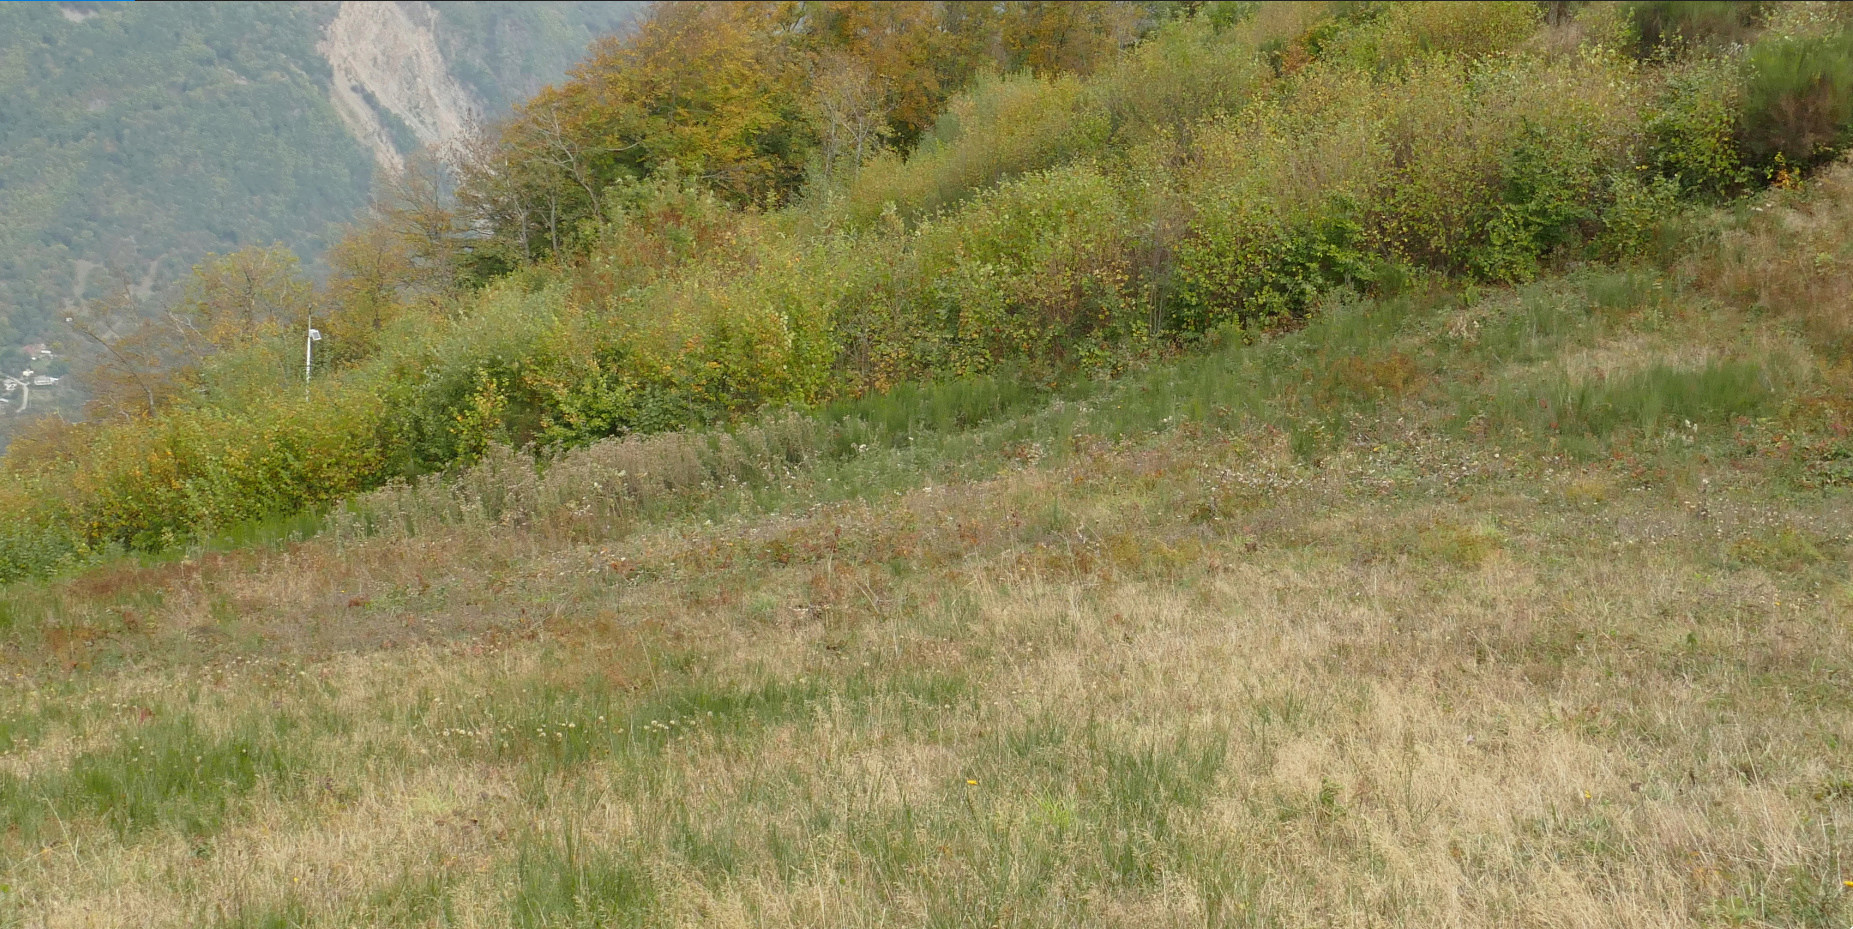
134, 138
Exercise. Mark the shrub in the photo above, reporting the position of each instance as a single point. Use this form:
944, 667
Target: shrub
1180, 76
1000, 128
1633, 222
1691, 126
158, 482
1035, 274
1552, 185
1404, 34
452, 391
1661, 23
34, 541
1485, 168
1043, 227
1798, 103
654, 227
1253, 262
718, 338
1273, 204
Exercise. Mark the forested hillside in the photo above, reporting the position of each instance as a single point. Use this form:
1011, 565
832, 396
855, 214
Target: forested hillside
747, 206
136, 138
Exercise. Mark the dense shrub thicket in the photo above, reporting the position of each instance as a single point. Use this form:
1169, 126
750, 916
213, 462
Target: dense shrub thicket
1226, 170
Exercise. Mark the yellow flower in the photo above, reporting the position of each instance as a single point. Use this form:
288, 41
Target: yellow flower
971, 782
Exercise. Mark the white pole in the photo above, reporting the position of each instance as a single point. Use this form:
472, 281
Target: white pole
308, 356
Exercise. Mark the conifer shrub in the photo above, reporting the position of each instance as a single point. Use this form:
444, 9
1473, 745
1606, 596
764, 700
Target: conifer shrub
1798, 101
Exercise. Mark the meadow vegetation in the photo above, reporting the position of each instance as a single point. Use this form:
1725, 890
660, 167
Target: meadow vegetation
1367, 465
1519, 607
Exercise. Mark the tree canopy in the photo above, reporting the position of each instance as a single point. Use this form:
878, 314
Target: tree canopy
752, 98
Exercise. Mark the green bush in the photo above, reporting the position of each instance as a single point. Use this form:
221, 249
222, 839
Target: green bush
157, 482
33, 544
715, 339
1692, 126
1662, 23
655, 227
1034, 274
1195, 68
456, 389
1395, 37
1485, 168
1538, 144
1798, 102
1180, 76
1000, 128
1552, 190
1634, 221
1252, 262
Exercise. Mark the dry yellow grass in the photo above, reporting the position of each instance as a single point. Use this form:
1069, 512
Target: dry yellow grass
1049, 698
1790, 255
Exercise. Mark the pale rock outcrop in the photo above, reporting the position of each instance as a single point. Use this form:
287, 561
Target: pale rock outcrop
389, 52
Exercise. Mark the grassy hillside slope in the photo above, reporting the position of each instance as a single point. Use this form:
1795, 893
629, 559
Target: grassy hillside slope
1355, 465
1486, 607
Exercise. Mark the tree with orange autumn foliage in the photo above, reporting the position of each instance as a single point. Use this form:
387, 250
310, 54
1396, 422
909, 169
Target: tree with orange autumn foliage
747, 98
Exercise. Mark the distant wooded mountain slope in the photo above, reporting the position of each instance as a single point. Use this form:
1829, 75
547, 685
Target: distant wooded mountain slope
134, 138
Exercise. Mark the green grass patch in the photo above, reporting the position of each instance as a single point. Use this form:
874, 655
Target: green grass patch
171, 772
290, 913
421, 895
1596, 410
567, 879
552, 726
1783, 549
